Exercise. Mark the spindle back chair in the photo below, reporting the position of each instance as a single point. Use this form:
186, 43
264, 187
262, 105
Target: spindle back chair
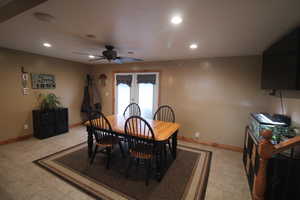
131, 110
165, 113
141, 142
104, 136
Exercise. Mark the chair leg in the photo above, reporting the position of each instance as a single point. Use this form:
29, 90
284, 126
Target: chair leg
122, 150
137, 164
93, 155
158, 164
129, 166
108, 152
165, 154
170, 147
148, 166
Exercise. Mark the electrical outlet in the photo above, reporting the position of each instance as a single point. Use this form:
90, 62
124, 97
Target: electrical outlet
197, 134
25, 126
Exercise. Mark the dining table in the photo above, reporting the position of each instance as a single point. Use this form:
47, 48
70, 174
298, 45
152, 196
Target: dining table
163, 132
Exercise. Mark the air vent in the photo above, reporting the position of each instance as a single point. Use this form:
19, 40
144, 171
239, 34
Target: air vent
90, 36
45, 17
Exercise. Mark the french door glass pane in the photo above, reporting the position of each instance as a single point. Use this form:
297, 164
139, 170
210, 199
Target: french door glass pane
146, 99
123, 93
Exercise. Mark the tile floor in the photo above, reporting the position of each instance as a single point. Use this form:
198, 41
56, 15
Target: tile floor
20, 179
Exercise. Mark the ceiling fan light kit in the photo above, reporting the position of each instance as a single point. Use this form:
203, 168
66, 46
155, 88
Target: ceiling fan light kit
110, 55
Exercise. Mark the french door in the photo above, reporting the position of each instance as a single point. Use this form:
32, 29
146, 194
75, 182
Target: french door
141, 88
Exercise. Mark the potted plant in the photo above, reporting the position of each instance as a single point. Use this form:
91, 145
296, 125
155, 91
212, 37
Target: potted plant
51, 119
49, 102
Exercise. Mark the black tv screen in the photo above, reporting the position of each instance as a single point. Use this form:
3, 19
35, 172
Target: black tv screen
281, 67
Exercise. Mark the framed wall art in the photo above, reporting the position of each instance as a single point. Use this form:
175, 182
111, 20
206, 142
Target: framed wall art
43, 81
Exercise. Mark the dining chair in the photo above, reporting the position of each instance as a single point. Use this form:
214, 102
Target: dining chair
131, 110
167, 114
141, 143
103, 135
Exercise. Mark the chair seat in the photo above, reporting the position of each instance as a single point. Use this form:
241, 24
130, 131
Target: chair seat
108, 141
142, 151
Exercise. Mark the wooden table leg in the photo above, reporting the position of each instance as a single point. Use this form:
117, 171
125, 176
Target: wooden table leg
174, 144
159, 163
161, 159
90, 141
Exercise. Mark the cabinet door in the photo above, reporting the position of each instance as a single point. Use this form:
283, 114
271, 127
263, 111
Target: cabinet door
283, 178
47, 124
61, 118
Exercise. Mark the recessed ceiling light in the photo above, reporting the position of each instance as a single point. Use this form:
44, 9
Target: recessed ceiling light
91, 56
193, 46
176, 20
47, 44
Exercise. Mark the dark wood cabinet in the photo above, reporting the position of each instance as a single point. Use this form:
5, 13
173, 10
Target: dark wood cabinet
282, 172
50, 123
250, 157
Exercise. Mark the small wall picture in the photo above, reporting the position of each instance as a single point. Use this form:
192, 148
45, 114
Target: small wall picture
43, 81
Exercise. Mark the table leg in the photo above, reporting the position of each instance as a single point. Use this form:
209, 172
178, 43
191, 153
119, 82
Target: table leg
90, 141
159, 163
161, 158
174, 144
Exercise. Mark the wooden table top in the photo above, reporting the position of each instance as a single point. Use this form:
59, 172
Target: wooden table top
162, 130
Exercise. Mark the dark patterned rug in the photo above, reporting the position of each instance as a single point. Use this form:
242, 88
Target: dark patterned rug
186, 177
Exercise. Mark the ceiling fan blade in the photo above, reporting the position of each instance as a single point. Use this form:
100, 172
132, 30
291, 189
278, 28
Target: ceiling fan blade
128, 59
118, 61
97, 59
85, 54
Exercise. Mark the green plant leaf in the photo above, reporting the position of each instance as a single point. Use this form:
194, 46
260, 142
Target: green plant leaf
49, 101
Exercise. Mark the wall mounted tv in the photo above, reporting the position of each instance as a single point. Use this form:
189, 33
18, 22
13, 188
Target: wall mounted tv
281, 63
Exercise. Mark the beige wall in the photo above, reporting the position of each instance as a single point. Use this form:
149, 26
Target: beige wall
16, 109
211, 96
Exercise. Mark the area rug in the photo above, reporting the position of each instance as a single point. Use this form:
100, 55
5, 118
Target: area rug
186, 178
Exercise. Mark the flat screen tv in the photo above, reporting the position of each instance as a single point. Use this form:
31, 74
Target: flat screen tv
281, 64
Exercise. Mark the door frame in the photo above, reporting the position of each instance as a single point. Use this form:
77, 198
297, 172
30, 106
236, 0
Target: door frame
158, 72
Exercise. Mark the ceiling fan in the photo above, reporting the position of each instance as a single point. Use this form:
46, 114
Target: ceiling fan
111, 55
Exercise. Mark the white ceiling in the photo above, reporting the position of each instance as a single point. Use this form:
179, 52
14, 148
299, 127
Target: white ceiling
221, 28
